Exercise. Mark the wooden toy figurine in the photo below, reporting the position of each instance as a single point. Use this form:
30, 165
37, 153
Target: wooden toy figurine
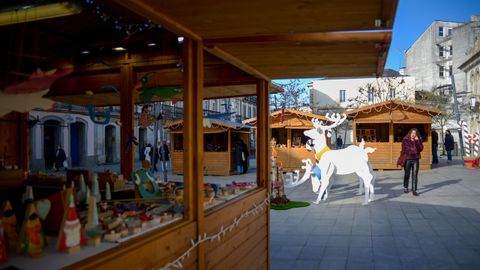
31, 239
9, 220
71, 234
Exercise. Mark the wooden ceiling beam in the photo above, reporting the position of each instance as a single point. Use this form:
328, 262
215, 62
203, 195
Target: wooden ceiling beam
227, 57
323, 37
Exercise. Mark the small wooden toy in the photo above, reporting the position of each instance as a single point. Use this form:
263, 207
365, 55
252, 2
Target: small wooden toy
31, 238
71, 235
112, 236
9, 220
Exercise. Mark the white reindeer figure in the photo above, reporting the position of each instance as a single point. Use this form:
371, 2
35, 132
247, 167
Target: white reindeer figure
353, 159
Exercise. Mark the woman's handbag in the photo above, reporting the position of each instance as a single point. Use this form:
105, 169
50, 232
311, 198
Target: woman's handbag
401, 160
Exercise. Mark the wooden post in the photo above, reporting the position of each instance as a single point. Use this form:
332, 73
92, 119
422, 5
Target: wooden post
24, 143
229, 150
192, 136
126, 118
263, 142
391, 140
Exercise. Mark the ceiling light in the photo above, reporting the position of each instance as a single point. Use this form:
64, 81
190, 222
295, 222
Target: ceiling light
151, 44
30, 13
180, 40
85, 52
119, 49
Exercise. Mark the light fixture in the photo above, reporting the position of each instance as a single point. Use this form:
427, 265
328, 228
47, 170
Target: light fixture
180, 40
119, 49
473, 101
28, 13
85, 52
151, 44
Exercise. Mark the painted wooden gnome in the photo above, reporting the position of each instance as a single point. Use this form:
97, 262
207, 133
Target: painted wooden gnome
71, 234
31, 239
9, 220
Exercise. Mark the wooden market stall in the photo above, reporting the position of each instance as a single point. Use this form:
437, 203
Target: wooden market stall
287, 129
220, 137
383, 126
229, 49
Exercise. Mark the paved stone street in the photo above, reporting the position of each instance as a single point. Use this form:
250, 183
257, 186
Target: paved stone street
440, 229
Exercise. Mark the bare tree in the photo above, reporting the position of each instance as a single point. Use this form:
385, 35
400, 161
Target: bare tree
441, 101
383, 89
294, 96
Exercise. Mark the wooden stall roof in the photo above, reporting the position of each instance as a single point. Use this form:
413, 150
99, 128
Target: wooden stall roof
291, 119
274, 39
382, 111
210, 125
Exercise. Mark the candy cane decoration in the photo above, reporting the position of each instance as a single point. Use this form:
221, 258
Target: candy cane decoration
476, 143
466, 141
462, 125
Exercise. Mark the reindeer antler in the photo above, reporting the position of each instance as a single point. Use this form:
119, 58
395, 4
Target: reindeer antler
335, 118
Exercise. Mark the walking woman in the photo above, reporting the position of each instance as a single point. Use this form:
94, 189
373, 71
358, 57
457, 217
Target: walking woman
411, 147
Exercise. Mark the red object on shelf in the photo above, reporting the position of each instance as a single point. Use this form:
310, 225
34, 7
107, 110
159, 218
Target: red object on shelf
3, 249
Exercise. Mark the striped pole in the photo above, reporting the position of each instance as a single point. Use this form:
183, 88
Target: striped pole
466, 141
476, 143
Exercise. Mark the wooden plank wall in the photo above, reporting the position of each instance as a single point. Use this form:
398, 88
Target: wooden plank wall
215, 163
246, 246
146, 252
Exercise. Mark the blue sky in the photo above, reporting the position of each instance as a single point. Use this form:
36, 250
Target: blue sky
414, 16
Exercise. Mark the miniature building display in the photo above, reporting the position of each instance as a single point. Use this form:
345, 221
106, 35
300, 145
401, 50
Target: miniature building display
383, 126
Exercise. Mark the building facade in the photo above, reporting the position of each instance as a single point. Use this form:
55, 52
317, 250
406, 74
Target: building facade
430, 59
337, 95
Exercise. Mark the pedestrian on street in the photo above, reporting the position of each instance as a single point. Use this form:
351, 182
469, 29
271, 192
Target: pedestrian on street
449, 145
239, 156
60, 158
245, 156
412, 147
434, 147
148, 153
164, 155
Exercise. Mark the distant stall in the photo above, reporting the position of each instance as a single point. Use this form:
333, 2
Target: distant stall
287, 131
383, 126
219, 145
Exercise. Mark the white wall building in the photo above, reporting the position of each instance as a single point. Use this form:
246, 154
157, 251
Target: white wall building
333, 95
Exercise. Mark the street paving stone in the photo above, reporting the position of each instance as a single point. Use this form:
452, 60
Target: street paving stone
440, 229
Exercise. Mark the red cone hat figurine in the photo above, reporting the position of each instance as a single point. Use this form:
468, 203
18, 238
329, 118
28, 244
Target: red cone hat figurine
71, 235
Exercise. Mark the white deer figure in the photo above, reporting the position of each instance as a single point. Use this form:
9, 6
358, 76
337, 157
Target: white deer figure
353, 159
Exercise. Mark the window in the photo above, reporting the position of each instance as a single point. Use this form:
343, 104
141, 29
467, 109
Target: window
392, 93
280, 136
370, 95
298, 139
451, 50
450, 70
441, 51
449, 31
441, 72
440, 31
342, 95
377, 132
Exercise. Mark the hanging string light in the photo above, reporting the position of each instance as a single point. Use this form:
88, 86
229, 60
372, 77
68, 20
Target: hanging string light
119, 23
